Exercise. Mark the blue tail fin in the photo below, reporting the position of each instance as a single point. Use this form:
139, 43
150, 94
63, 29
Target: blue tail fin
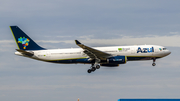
23, 41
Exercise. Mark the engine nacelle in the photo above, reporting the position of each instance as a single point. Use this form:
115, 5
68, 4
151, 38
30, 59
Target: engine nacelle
117, 60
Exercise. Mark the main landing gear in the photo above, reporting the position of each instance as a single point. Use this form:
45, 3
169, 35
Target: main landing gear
93, 68
154, 64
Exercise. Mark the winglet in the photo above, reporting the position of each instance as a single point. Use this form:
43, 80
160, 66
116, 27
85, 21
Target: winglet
77, 42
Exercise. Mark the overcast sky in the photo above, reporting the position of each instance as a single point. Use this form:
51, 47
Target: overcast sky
57, 23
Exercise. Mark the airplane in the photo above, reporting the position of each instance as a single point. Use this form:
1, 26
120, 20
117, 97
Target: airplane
96, 56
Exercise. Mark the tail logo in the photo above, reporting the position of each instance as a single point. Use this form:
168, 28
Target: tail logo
24, 41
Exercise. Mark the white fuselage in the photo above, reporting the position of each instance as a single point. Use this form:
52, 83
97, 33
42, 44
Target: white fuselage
137, 52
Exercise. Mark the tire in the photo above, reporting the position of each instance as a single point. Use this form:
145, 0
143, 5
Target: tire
93, 69
154, 64
89, 70
97, 67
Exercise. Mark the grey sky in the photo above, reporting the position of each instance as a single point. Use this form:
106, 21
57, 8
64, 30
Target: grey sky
57, 23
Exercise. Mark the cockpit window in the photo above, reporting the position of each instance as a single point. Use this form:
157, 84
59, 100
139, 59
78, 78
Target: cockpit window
164, 48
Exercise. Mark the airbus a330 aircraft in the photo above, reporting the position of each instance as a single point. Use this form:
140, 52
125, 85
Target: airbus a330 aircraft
96, 56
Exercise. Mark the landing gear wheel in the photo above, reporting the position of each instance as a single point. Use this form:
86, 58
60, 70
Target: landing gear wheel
154, 64
97, 67
93, 69
89, 70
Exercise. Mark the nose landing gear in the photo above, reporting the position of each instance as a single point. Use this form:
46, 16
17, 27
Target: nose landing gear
154, 64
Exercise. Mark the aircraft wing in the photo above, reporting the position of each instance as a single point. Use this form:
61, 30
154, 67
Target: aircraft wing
93, 53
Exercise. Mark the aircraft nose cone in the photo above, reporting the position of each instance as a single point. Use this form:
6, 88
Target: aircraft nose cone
169, 52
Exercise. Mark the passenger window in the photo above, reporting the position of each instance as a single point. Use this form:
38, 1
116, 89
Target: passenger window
164, 48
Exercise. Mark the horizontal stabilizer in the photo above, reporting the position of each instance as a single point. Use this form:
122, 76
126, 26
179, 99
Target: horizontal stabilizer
25, 52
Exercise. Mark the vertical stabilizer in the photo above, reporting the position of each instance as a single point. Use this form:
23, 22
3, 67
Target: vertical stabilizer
23, 41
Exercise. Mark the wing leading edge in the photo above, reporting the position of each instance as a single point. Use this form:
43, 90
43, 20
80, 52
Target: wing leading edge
93, 53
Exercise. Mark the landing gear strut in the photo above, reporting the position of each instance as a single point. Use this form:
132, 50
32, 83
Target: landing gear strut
93, 68
154, 64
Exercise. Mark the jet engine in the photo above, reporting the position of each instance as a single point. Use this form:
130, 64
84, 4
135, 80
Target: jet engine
114, 61
117, 60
